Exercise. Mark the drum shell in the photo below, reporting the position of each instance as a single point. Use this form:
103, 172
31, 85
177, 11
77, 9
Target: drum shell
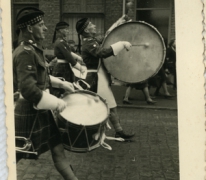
79, 137
145, 57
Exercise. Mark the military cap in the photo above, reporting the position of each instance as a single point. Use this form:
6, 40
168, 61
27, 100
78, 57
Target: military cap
61, 25
28, 16
81, 25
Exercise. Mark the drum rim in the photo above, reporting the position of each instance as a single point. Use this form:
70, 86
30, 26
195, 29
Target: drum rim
90, 93
161, 38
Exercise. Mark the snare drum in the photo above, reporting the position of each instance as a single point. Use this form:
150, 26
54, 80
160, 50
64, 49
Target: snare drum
145, 57
85, 115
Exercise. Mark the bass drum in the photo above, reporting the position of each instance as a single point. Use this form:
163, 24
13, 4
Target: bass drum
143, 60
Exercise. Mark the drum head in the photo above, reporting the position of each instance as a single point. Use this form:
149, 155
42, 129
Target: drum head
145, 57
84, 108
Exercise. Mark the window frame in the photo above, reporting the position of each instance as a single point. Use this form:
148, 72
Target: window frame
170, 16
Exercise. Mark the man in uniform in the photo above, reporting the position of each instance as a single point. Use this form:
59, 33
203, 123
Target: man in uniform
92, 54
66, 58
33, 118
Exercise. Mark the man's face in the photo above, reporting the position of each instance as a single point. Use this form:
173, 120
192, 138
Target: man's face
65, 32
90, 29
39, 30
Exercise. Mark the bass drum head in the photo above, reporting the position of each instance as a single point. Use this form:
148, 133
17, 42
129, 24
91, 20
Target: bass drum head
145, 57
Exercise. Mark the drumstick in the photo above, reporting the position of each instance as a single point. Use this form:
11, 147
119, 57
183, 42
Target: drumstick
145, 44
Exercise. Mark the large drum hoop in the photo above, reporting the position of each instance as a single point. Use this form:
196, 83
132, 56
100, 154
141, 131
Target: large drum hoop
89, 93
78, 137
124, 66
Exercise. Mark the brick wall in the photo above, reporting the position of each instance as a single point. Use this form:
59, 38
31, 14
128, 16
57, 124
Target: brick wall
113, 11
51, 9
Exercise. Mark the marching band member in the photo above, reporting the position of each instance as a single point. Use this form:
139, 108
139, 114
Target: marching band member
93, 54
33, 117
66, 58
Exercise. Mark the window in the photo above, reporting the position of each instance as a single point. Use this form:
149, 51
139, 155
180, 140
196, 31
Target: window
156, 13
72, 11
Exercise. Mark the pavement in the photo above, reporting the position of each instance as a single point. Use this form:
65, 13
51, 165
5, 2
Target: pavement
152, 155
138, 99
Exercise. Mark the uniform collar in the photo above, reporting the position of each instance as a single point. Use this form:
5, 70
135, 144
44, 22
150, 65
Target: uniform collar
31, 43
28, 40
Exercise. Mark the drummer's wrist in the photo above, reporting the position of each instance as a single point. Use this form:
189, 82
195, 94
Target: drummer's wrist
61, 85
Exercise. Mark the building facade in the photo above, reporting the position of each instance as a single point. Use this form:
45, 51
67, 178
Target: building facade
159, 13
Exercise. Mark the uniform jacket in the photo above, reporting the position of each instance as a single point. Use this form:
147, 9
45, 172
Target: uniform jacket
30, 71
62, 51
92, 52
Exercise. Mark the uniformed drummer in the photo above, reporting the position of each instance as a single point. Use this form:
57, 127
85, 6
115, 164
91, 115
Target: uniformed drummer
92, 54
33, 118
64, 54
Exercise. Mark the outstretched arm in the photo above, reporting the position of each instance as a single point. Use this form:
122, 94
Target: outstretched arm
121, 20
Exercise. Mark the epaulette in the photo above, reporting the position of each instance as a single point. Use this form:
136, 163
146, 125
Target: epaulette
28, 45
27, 48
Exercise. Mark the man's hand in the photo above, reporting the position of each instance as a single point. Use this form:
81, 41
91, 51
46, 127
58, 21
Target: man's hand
83, 69
121, 20
119, 46
67, 86
127, 45
53, 62
61, 105
77, 57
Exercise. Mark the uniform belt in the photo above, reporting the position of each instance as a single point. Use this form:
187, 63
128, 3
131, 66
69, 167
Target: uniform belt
91, 70
61, 61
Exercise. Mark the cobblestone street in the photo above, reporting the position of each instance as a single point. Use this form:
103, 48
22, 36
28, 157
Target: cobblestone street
153, 154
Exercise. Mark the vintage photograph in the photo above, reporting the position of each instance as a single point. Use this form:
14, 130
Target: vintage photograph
95, 89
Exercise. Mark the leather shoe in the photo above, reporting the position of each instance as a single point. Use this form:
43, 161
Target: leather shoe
151, 102
126, 102
168, 96
123, 135
129, 98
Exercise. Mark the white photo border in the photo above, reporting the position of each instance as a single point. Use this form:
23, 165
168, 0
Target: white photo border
190, 80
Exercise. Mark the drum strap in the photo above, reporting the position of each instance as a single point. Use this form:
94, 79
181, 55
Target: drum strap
92, 70
103, 137
61, 61
105, 145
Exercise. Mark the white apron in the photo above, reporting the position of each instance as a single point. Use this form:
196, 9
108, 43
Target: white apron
103, 88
